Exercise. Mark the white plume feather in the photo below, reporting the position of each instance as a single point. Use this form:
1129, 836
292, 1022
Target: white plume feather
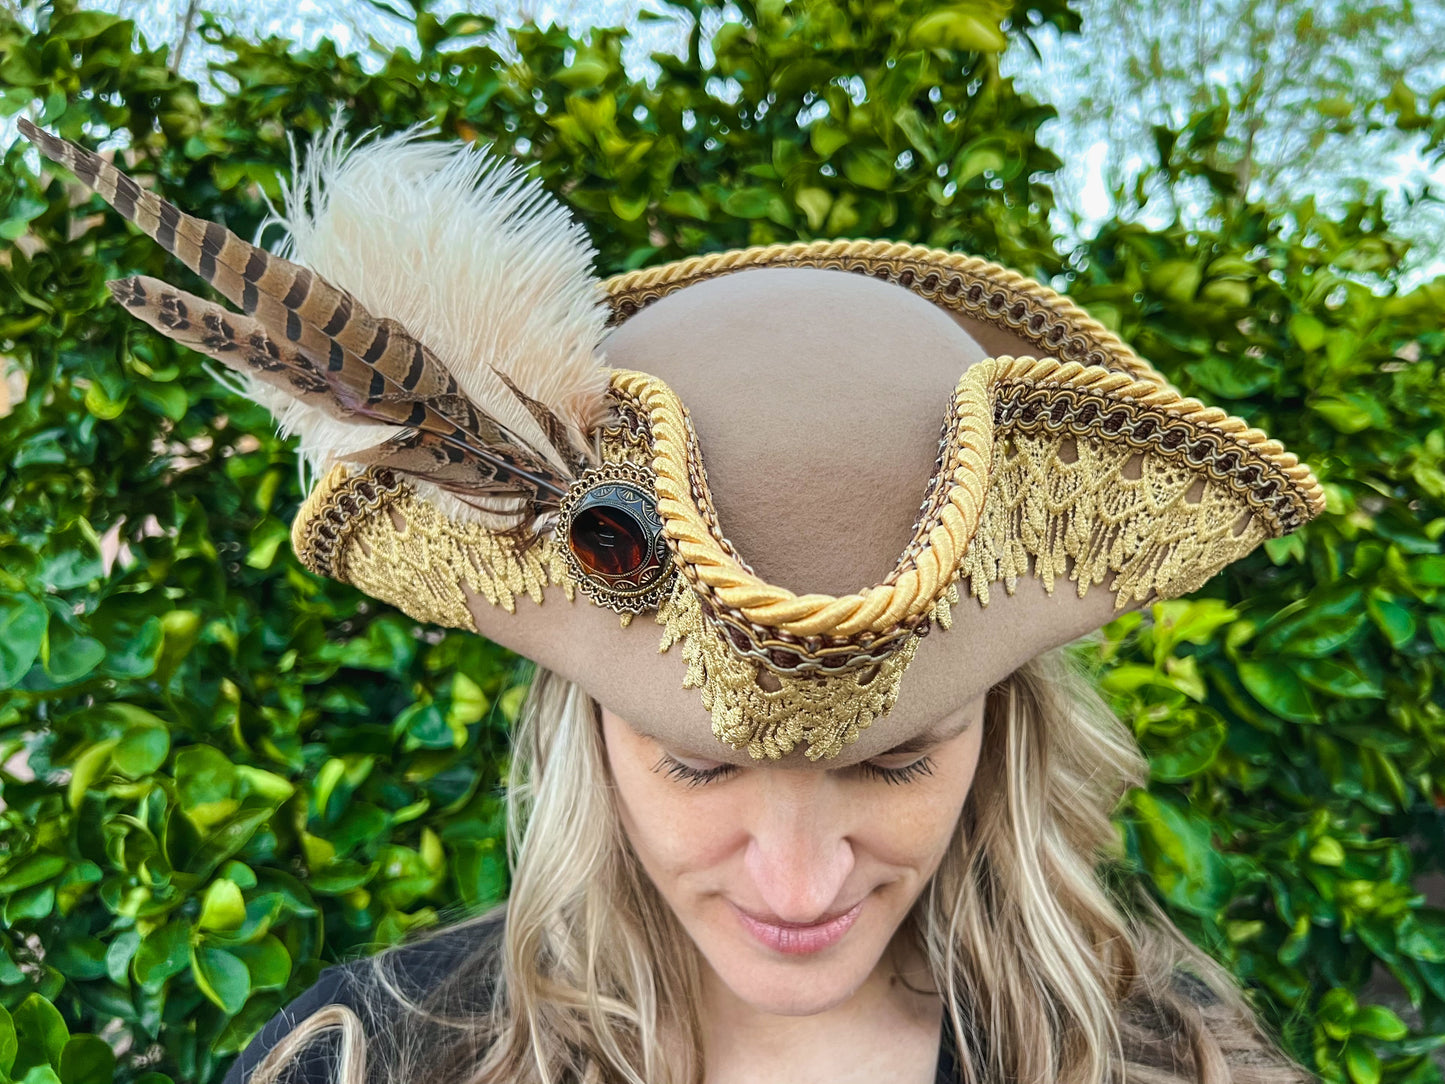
475, 259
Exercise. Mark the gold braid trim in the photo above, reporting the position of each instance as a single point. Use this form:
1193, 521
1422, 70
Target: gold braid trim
961, 284
1159, 490
911, 590
1015, 393
769, 714
1090, 472
402, 550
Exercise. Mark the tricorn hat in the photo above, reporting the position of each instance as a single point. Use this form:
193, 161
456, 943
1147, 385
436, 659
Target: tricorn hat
810, 497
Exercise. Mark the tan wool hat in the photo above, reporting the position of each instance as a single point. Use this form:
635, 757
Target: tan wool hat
743, 494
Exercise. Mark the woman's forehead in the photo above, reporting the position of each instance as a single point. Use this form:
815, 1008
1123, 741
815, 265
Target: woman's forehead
695, 744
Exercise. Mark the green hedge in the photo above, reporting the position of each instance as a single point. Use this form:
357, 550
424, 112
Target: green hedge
223, 773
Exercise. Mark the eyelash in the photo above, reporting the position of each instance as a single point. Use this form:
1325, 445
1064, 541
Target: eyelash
697, 777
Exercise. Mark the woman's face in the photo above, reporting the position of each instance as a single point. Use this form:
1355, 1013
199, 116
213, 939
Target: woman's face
792, 878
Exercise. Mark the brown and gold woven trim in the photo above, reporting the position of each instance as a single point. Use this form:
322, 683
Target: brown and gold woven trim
1278, 488
967, 285
332, 512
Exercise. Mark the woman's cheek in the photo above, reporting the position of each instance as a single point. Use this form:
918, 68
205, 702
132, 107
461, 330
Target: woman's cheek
912, 824
686, 828
675, 829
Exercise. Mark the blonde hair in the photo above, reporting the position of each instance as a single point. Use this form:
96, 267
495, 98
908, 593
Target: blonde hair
1045, 974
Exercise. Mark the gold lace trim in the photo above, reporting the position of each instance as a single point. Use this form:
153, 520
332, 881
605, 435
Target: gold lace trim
770, 714
407, 553
787, 631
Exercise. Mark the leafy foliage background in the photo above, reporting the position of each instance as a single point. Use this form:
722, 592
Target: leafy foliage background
222, 773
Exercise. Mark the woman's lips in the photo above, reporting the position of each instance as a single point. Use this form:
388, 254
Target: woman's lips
797, 939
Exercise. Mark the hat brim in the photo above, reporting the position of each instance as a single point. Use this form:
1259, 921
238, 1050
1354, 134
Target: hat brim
1148, 495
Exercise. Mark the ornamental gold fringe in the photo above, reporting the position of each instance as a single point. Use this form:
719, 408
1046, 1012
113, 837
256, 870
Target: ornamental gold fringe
407, 552
1084, 516
822, 713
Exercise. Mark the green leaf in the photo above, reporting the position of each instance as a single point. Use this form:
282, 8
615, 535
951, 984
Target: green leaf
205, 784
1188, 755
426, 726
86, 1059
223, 907
629, 208
956, 28
79, 957
87, 766
33, 870
1428, 571
9, 1045
1313, 631
1307, 330
685, 204
1180, 856
826, 139
1378, 1022
68, 656
141, 751
40, 1028
748, 202
1436, 624
1422, 936
815, 203
1362, 1063
162, 954
1276, 686
1230, 379
1393, 619
265, 542
868, 169
469, 704
267, 962
222, 977
22, 630
1327, 851
1338, 679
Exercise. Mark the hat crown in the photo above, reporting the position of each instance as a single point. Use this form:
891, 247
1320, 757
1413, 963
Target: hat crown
818, 398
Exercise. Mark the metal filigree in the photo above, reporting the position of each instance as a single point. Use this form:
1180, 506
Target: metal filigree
611, 538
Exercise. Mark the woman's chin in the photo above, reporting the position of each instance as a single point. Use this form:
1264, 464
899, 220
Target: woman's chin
791, 989
784, 981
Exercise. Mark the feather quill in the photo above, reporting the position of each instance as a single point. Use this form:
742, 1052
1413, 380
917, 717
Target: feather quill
334, 371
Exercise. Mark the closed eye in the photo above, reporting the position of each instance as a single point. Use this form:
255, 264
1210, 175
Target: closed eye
686, 773
907, 773
695, 777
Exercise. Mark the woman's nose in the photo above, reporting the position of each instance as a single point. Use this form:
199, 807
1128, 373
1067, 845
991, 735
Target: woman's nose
799, 855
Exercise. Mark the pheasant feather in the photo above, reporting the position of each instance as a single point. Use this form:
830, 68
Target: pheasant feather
475, 452
334, 371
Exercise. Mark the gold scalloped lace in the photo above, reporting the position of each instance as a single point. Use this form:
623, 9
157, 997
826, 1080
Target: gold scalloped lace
429, 565
1086, 518
824, 714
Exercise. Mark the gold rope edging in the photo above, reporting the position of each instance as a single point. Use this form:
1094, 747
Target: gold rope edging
911, 591
931, 564
954, 281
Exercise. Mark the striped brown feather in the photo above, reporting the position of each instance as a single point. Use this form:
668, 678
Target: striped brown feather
558, 434
365, 360
283, 295
243, 344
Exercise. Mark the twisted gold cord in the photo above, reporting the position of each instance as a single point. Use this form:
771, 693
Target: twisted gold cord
917, 584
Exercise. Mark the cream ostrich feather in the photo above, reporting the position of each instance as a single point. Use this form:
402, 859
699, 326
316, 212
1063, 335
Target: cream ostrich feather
440, 316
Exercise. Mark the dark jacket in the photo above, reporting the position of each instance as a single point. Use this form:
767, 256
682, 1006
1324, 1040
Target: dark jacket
417, 969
